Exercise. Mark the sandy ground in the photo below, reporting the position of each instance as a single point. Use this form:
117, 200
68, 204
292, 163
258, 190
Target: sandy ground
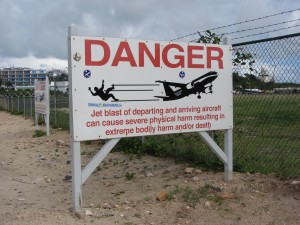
35, 187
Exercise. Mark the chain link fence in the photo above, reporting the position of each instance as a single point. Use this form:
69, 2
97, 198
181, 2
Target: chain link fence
266, 107
266, 114
266, 135
21, 102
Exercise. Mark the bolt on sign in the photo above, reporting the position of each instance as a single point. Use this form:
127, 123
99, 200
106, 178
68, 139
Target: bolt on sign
125, 88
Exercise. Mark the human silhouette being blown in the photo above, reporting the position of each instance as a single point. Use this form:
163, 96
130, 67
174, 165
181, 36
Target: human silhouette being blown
104, 95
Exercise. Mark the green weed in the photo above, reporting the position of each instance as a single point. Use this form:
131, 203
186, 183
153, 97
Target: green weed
39, 133
129, 176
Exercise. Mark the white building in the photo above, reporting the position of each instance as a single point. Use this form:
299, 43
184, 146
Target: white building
265, 76
60, 86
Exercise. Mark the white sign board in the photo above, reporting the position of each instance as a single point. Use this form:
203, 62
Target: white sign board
124, 88
41, 97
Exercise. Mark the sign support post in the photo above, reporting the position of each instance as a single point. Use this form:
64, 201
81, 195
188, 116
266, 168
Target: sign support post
228, 146
75, 145
226, 155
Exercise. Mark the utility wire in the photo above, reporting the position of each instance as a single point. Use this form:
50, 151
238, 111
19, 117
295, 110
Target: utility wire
234, 24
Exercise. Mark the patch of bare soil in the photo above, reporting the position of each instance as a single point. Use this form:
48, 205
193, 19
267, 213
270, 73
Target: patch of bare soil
36, 188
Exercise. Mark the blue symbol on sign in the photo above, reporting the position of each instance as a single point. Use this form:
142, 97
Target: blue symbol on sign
87, 73
182, 74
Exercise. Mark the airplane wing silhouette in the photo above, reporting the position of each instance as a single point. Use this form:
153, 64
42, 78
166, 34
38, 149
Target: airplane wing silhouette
180, 90
209, 74
168, 90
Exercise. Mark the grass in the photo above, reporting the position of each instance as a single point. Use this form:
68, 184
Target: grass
266, 134
129, 176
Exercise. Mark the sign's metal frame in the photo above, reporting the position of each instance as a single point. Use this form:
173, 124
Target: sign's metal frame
80, 176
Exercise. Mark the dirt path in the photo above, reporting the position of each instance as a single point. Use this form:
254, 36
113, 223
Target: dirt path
123, 190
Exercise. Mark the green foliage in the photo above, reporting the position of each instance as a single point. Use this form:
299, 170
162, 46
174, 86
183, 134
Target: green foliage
209, 38
39, 133
8, 84
137, 147
16, 113
11, 92
240, 58
181, 147
173, 193
129, 176
87, 142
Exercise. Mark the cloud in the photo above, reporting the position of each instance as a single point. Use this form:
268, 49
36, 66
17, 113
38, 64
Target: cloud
33, 62
38, 28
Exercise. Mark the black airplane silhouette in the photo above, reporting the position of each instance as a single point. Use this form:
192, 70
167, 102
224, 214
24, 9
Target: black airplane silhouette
198, 86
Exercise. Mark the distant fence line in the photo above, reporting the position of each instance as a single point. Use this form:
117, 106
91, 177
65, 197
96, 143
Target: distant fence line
22, 103
266, 131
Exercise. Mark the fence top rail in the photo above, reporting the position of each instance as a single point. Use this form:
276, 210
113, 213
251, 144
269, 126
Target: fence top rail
266, 39
25, 94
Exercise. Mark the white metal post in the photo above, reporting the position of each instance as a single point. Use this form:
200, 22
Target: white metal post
226, 155
98, 158
226, 40
228, 145
76, 177
75, 146
213, 146
36, 120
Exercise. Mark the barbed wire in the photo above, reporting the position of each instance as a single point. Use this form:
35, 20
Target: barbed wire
234, 24
251, 35
256, 28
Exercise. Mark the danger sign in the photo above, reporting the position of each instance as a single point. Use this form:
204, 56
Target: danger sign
124, 88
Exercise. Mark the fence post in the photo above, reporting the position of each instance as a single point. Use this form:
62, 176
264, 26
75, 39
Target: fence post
228, 138
31, 105
18, 103
12, 104
24, 107
55, 102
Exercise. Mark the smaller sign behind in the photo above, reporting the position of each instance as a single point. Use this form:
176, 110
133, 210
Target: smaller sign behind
41, 97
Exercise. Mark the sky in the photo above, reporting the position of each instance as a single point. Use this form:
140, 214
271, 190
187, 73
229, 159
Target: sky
34, 32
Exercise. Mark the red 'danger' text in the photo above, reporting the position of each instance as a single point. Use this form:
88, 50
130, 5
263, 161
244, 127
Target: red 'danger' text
171, 55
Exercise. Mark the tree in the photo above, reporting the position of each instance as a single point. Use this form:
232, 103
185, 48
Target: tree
9, 84
209, 38
240, 57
